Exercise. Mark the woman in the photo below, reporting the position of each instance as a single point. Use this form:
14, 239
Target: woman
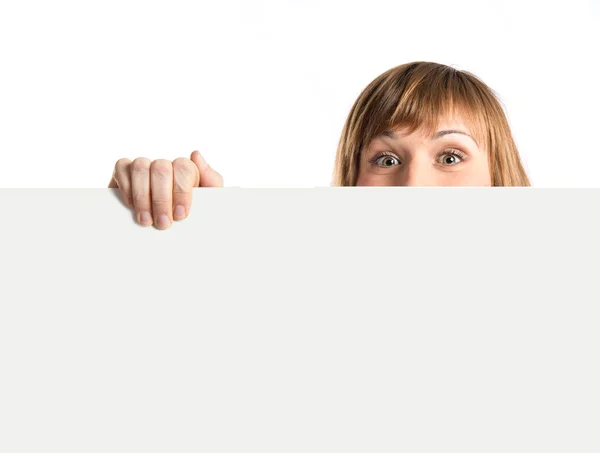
418, 124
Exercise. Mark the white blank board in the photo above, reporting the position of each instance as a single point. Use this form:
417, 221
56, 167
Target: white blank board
334, 319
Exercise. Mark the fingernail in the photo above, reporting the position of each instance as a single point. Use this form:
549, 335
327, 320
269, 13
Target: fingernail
145, 218
163, 222
179, 212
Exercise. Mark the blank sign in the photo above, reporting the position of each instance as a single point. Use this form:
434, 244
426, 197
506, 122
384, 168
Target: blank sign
334, 319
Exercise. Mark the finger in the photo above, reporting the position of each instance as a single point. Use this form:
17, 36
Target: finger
140, 190
208, 176
122, 180
161, 187
186, 176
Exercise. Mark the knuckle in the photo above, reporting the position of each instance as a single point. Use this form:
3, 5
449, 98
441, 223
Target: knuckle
161, 206
161, 168
161, 164
184, 176
140, 164
181, 162
124, 162
141, 200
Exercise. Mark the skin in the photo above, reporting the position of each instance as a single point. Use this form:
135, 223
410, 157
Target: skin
450, 158
160, 191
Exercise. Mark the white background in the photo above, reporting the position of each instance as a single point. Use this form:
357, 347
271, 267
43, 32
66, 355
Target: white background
263, 88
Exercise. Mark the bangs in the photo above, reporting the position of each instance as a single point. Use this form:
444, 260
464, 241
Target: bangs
420, 97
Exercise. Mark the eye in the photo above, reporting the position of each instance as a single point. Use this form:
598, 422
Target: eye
385, 160
451, 157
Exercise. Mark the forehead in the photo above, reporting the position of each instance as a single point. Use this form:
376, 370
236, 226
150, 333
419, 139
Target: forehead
444, 122
472, 126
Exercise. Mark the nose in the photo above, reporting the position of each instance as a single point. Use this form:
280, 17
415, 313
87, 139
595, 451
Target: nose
417, 174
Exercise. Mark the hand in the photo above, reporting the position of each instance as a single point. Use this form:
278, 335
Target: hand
160, 191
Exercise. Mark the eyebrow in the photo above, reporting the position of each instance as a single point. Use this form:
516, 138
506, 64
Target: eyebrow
439, 134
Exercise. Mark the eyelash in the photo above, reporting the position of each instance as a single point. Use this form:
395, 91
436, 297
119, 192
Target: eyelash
383, 154
453, 152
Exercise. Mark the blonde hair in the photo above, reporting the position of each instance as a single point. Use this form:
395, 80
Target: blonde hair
415, 96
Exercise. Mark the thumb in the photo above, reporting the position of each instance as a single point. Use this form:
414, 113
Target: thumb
208, 176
